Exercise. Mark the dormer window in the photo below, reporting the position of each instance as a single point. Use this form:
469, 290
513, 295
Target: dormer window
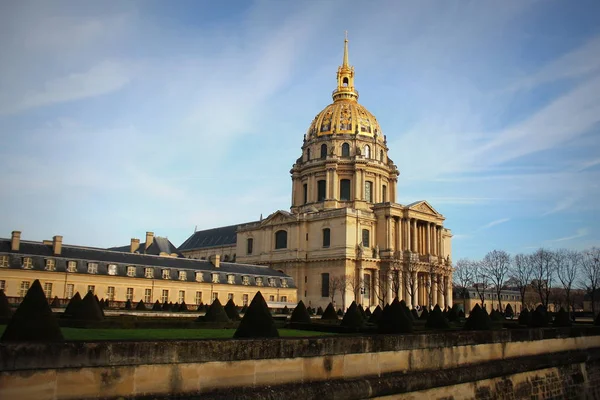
112, 269
231, 279
166, 274
71, 266
92, 268
149, 272
131, 271
27, 263
272, 282
284, 283
199, 277
259, 281
50, 264
215, 278
245, 280
3, 261
182, 276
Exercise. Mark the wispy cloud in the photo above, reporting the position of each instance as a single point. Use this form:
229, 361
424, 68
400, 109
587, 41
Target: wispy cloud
493, 223
579, 234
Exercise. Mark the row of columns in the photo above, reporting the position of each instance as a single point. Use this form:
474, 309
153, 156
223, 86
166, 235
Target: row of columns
414, 288
414, 235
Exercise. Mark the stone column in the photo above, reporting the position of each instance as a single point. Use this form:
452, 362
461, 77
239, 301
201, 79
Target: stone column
428, 238
375, 275
400, 285
434, 289
390, 293
357, 188
414, 235
442, 297
328, 182
389, 229
415, 284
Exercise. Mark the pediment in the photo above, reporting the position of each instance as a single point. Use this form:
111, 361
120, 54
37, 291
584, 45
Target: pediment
424, 207
278, 217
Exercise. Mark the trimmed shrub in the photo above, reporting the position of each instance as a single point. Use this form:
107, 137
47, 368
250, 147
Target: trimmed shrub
175, 307
340, 313
368, 311
461, 313
597, 320
182, 307
244, 309
436, 319
320, 310
496, 315
300, 314
311, 311
257, 321
55, 302
415, 314
329, 314
539, 317
128, 305
453, 314
508, 311
362, 312
140, 306
33, 321
231, 311
5, 310
478, 320
394, 319
424, 314
73, 304
157, 306
524, 317
88, 309
561, 319
215, 313
407, 311
353, 317
285, 311
375, 315
165, 307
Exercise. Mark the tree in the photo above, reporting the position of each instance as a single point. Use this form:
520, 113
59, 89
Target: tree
495, 265
543, 272
521, 273
567, 264
410, 280
385, 277
463, 278
481, 281
336, 284
591, 273
354, 283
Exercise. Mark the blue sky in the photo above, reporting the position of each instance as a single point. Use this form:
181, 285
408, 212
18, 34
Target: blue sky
119, 118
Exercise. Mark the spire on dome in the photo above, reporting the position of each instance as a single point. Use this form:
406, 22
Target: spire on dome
345, 63
345, 78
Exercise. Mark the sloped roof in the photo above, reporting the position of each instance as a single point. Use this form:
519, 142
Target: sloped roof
159, 245
222, 236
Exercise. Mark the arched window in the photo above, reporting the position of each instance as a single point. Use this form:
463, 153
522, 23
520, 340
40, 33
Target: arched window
305, 193
281, 239
381, 155
323, 151
367, 151
345, 190
345, 150
365, 238
326, 237
307, 154
345, 82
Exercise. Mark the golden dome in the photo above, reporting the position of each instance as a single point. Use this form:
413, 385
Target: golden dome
344, 115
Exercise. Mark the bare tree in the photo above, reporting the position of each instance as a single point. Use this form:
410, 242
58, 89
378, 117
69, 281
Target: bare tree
410, 280
543, 273
481, 281
495, 266
396, 281
355, 284
567, 264
521, 273
336, 284
382, 285
591, 273
463, 278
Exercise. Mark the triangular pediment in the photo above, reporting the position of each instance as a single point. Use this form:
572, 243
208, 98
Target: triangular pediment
278, 217
424, 207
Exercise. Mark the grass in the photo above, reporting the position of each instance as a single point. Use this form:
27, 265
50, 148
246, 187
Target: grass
158, 334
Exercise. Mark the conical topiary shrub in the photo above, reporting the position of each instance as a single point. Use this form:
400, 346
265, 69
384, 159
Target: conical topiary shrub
200, 307
436, 319
73, 304
461, 314
55, 302
478, 320
244, 309
311, 311
394, 319
33, 321
424, 314
453, 314
368, 312
361, 310
300, 314
539, 317
285, 311
128, 304
414, 314
5, 309
175, 307
231, 311
353, 318
409, 313
508, 311
376, 315
524, 317
329, 314
157, 306
561, 319
597, 320
165, 307
215, 313
497, 316
88, 309
182, 307
140, 306
320, 310
257, 321
340, 313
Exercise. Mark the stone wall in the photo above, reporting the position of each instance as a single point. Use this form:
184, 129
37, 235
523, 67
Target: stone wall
357, 366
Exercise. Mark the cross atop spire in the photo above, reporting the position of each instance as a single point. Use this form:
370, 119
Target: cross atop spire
345, 78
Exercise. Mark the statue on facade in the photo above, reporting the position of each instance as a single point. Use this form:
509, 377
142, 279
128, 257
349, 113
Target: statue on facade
359, 250
376, 251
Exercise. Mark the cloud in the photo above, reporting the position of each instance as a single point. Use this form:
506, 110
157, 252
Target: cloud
494, 223
103, 78
579, 234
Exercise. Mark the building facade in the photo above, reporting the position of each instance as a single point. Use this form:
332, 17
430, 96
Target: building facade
467, 298
346, 237
120, 275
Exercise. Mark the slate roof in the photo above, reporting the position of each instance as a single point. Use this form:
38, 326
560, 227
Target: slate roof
223, 236
159, 245
39, 252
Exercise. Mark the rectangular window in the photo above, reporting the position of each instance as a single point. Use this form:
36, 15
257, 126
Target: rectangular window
284, 299
129, 295
325, 285
149, 272
215, 296
231, 279
305, 193
272, 282
369, 191
321, 190
182, 276
24, 288
3, 285
27, 263
110, 293
384, 193
198, 298
249, 245
215, 278
199, 277
181, 296
92, 268
345, 190
148, 296
326, 237
70, 290
367, 286
166, 274
245, 300
271, 298
165, 296
50, 264
245, 280
48, 290
130, 271
112, 269
3, 261
91, 288
229, 296
284, 283
71, 266
259, 281
365, 238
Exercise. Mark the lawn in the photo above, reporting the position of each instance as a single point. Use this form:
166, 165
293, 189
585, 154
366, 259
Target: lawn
157, 334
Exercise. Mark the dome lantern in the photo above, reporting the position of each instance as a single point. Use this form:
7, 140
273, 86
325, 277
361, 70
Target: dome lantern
345, 79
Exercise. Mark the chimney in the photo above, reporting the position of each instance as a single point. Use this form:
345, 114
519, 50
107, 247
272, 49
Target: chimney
15, 240
57, 245
216, 260
135, 245
149, 239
